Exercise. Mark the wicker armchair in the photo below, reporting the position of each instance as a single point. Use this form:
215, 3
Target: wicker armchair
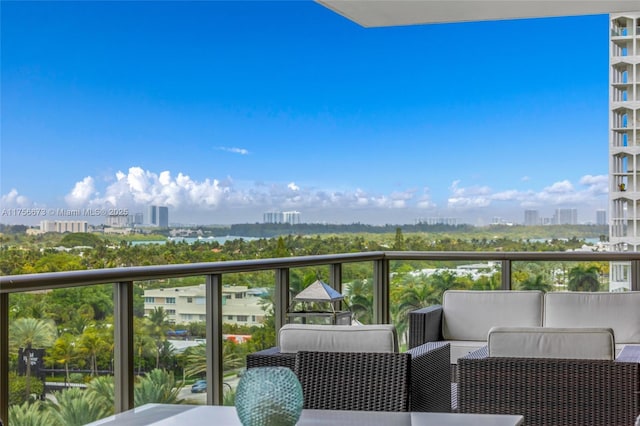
416, 380
551, 392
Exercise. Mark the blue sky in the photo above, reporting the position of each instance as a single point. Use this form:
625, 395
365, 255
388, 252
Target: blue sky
225, 110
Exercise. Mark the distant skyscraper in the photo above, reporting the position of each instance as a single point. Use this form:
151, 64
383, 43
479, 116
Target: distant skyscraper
153, 215
272, 217
292, 218
566, 217
159, 216
531, 218
601, 217
163, 217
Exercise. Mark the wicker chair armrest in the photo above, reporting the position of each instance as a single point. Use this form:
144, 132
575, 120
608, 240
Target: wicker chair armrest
271, 357
430, 377
425, 325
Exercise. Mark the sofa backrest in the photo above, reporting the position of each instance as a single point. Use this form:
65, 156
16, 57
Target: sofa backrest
547, 342
469, 315
338, 338
619, 311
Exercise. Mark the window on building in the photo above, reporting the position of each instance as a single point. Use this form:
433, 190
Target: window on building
230, 317
171, 311
187, 317
149, 300
202, 300
189, 299
171, 300
239, 295
253, 318
243, 318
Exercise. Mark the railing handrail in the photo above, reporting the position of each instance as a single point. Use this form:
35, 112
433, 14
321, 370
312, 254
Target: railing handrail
51, 280
123, 278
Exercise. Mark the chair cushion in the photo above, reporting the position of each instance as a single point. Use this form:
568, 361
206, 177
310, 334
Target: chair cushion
619, 311
338, 338
545, 342
469, 315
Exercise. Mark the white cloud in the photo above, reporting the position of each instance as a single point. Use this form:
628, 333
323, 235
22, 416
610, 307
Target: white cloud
14, 199
137, 188
81, 192
234, 150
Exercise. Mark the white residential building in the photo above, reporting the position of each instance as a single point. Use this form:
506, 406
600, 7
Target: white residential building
624, 141
240, 304
62, 226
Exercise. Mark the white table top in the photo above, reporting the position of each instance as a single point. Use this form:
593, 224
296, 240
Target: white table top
173, 415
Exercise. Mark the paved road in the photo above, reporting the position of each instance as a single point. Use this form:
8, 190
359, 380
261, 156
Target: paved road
201, 398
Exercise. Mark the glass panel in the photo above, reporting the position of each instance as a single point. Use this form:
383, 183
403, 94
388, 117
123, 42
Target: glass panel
61, 352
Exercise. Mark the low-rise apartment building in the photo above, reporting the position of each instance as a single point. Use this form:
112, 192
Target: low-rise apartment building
240, 304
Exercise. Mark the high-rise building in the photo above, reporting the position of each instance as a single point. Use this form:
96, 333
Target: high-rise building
601, 217
159, 216
163, 217
565, 217
292, 217
153, 215
272, 217
531, 218
624, 140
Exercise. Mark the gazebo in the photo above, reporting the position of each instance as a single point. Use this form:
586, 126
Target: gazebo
319, 303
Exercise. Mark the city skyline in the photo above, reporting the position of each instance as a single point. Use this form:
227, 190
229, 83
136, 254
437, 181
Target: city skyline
225, 110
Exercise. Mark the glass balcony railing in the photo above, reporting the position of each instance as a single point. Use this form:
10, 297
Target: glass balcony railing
373, 282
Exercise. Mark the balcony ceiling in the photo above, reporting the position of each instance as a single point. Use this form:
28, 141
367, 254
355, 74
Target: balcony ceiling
384, 13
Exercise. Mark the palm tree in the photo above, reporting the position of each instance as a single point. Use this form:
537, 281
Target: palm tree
142, 343
409, 294
93, 342
31, 414
158, 386
584, 278
103, 391
359, 297
196, 359
158, 327
29, 333
64, 351
535, 283
75, 407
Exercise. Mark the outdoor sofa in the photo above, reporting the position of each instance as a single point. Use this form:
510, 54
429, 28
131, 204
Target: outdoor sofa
466, 316
552, 377
344, 367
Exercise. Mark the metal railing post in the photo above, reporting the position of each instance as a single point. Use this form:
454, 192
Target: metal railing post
505, 283
123, 345
4, 357
281, 298
215, 373
335, 276
381, 286
635, 275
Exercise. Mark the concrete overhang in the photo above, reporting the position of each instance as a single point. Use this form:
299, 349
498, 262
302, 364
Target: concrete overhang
385, 13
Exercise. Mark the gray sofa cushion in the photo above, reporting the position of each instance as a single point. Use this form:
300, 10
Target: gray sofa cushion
619, 311
338, 338
547, 342
469, 315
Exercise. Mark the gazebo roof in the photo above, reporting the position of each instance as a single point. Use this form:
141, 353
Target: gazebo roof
318, 292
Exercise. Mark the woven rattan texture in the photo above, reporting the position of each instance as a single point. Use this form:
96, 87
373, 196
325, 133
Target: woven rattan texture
551, 391
367, 381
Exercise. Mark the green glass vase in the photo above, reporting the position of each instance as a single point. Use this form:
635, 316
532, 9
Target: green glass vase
269, 396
